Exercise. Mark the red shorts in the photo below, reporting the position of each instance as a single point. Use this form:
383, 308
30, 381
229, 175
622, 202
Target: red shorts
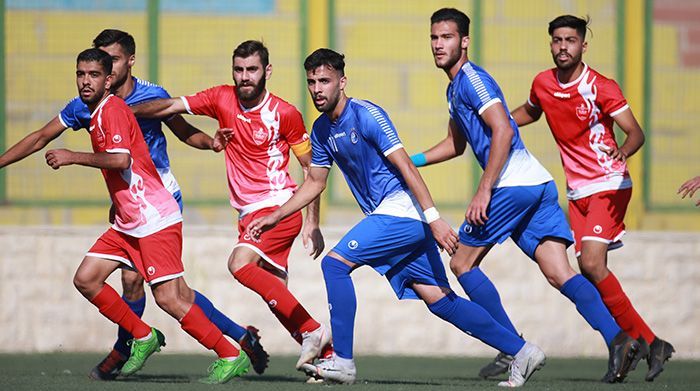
274, 245
157, 257
600, 217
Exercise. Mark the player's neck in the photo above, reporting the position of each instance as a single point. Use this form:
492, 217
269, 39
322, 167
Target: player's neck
454, 69
125, 89
93, 106
339, 107
566, 76
249, 104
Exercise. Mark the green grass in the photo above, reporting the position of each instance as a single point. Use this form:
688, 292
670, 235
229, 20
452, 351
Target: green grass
67, 371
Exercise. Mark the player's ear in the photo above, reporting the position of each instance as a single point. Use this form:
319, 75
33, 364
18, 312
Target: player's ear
343, 81
268, 71
465, 42
108, 81
132, 60
584, 46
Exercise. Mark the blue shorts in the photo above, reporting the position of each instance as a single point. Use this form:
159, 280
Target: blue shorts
401, 248
528, 214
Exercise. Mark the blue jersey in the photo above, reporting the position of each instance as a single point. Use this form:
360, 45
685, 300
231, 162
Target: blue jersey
359, 142
76, 115
470, 93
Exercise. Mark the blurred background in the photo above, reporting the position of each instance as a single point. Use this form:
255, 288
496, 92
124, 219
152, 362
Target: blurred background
652, 48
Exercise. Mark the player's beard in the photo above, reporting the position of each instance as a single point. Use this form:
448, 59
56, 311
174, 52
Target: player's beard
95, 98
571, 63
117, 83
254, 94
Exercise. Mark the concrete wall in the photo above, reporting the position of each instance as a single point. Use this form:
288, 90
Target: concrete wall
41, 311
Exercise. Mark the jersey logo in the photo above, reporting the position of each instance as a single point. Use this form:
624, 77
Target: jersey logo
117, 139
260, 136
243, 118
151, 270
353, 136
100, 136
353, 244
582, 111
563, 95
597, 229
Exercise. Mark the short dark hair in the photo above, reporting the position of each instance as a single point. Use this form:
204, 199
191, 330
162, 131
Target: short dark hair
96, 55
574, 22
111, 36
453, 15
327, 57
250, 47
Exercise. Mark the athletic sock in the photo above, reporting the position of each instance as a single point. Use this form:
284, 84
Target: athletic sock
196, 324
482, 292
280, 300
342, 303
115, 309
138, 306
622, 310
472, 319
589, 304
223, 322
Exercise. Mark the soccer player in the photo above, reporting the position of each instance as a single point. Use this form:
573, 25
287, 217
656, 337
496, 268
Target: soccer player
264, 130
147, 229
121, 47
689, 187
516, 196
398, 236
581, 106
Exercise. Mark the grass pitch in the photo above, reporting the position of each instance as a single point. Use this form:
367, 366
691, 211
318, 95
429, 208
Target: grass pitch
68, 371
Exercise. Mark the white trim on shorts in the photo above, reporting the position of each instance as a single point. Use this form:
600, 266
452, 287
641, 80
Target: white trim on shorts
262, 255
612, 244
111, 258
166, 278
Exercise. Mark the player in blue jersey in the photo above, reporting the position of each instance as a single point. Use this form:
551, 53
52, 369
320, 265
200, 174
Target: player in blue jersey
516, 196
76, 115
398, 236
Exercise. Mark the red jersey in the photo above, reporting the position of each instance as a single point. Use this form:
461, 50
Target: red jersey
257, 156
580, 116
143, 206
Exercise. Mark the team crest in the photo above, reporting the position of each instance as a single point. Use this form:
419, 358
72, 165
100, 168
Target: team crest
100, 136
353, 136
582, 111
260, 136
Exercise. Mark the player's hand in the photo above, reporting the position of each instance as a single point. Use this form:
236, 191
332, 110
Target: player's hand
312, 233
476, 211
262, 224
614, 152
112, 214
221, 139
58, 157
689, 187
446, 238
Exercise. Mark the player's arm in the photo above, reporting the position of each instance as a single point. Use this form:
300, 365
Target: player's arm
311, 231
194, 137
32, 142
443, 233
57, 158
501, 136
159, 108
526, 114
451, 146
312, 187
634, 140
689, 187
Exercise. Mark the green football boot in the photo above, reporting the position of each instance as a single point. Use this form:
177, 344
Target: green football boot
223, 370
141, 350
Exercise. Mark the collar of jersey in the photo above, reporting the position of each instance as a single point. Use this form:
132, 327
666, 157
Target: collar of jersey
571, 83
261, 104
104, 101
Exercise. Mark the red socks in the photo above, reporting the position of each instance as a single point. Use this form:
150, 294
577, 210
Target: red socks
196, 324
113, 307
282, 303
622, 310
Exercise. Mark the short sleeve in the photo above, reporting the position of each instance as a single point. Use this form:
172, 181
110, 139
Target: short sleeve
320, 156
479, 92
611, 100
203, 102
292, 127
117, 128
533, 100
75, 115
378, 128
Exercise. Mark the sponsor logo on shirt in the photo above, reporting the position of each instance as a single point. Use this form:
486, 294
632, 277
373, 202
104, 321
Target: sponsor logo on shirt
563, 95
117, 139
339, 135
243, 118
353, 136
582, 111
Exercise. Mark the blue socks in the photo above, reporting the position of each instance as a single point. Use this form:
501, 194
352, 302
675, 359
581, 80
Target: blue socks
123, 336
226, 325
589, 304
342, 304
475, 321
482, 292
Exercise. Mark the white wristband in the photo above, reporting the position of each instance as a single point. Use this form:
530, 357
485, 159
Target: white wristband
431, 214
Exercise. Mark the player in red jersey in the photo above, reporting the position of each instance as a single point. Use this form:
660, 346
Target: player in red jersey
581, 106
261, 129
147, 230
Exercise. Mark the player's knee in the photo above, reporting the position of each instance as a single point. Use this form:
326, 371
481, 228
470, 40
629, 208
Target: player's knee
591, 267
132, 284
85, 284
459, 267
334, 268
236, 263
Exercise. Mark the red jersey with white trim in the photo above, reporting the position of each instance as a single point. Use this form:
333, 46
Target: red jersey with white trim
257, 156
142, 204
580, 116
